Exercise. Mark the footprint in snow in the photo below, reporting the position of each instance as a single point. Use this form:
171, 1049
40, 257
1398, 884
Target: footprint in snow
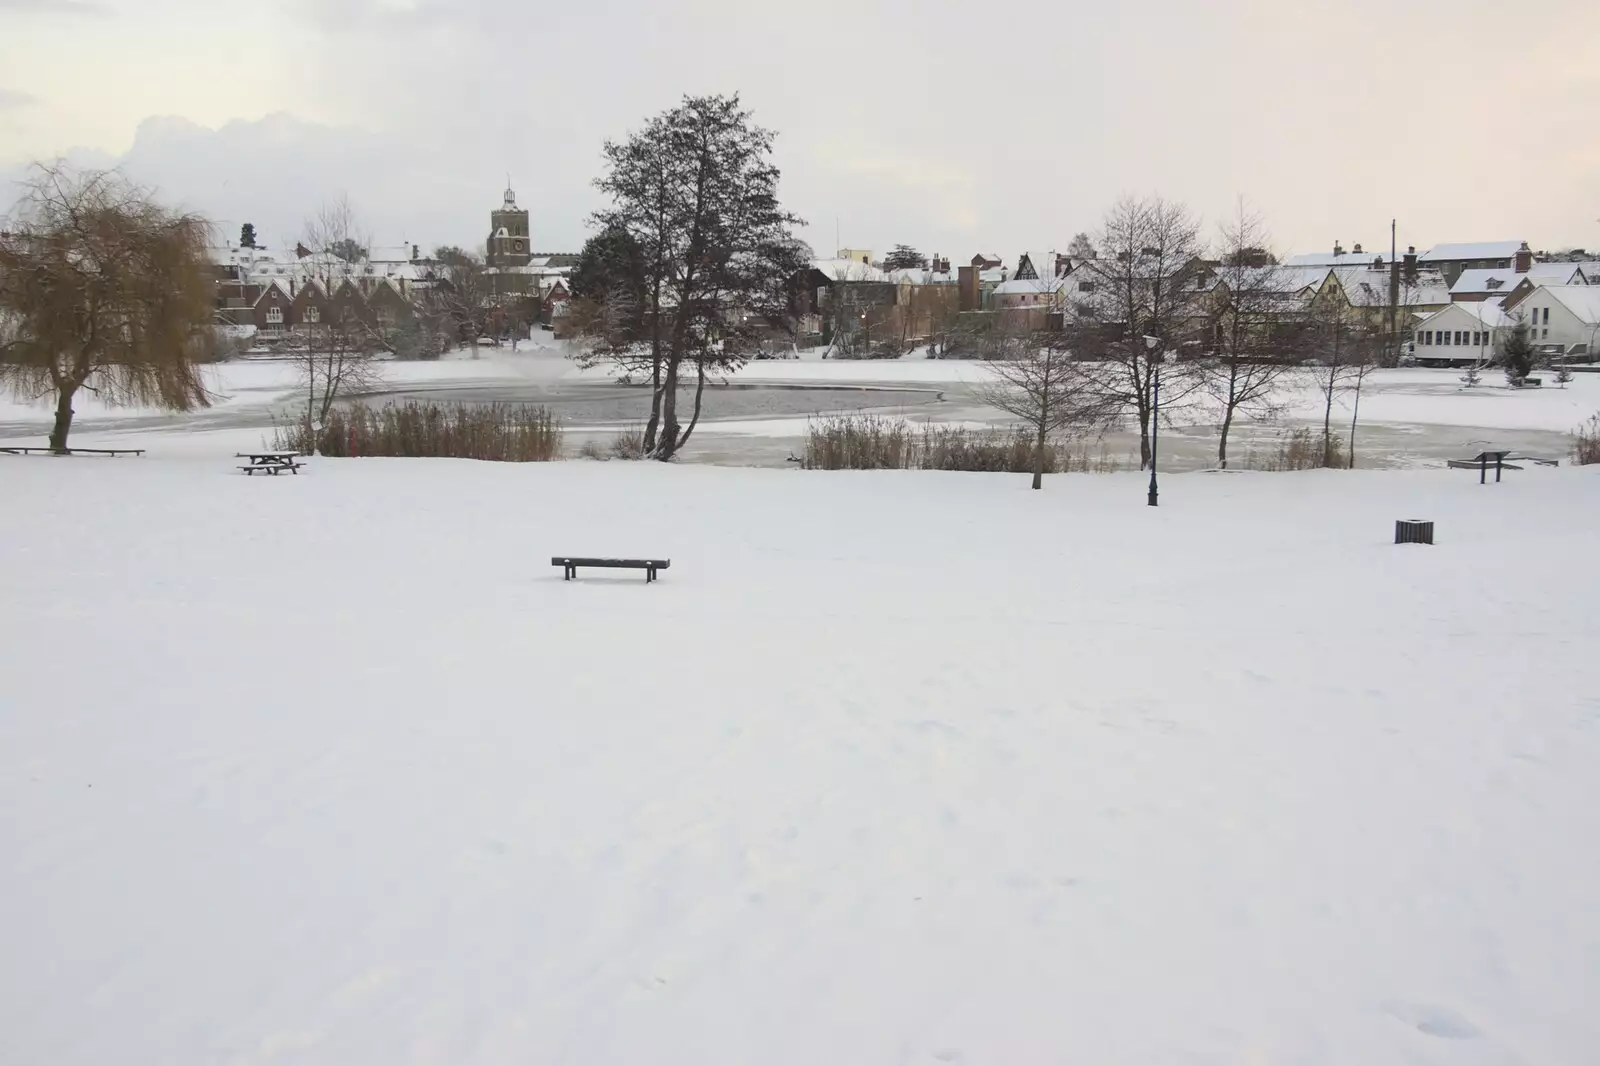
1439, 1022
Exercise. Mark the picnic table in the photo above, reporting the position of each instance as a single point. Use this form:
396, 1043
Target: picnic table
269, 462
1500, 459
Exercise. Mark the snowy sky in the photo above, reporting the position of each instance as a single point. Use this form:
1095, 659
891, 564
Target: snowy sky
942, 123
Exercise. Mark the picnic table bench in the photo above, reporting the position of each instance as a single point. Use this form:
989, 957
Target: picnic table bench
17, 449
569, 565
269, 462
1502, 460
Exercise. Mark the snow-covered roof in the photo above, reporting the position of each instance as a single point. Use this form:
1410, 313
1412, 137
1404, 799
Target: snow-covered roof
1487, 312
1441, 253
1498, 279
1581, 300
1556, 273
993, 274
1029, 286
1329, 259
848, 270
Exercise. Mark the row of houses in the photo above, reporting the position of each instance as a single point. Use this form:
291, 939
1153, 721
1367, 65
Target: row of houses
272, 294
1454, 302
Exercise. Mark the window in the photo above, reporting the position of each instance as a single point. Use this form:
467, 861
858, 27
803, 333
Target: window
312, 314
1085, 286
274, 316
1547, 318
1427, 336
1546, 335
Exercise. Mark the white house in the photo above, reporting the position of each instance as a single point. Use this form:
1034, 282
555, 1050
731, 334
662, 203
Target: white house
1567, 315
1462, 334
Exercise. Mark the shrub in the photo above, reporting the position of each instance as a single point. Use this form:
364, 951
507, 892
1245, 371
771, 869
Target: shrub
1586, 442
593, 449
858, 442
1298, 449
872, 442
629, 444
494, 432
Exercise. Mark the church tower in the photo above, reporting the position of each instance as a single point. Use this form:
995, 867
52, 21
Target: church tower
509, 244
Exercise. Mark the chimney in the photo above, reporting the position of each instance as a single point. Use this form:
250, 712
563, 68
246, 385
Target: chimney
1356, 250
1524, 259
1337, 248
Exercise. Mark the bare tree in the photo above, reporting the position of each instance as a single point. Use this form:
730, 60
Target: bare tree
1348, 346
1253, 317
1081, 247
1049, 391
103, 290
342, 335
459, 296
1142, 286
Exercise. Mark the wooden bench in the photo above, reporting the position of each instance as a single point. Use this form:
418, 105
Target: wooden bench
272, 468
13, 449
569, 565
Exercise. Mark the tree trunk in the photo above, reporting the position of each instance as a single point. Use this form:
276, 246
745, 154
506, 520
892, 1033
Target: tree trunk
1144, 438
699, 391
1350, 446
667, 442
1327, 427
1038, 459
311, 400
653, 425
1222, 445
63, 423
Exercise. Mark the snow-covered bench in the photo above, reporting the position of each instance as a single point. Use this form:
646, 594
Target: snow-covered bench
569, 565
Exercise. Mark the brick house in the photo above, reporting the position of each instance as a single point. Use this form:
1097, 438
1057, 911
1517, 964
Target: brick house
273, 312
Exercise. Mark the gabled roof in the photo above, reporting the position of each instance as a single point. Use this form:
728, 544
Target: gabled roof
1556, 273
1440, 253
276, 284
1581, 300
1488, 312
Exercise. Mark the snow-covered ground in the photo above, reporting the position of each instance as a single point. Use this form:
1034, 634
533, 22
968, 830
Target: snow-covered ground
888, 768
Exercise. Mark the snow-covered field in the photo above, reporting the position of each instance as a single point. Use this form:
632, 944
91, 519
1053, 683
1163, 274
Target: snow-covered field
888, 768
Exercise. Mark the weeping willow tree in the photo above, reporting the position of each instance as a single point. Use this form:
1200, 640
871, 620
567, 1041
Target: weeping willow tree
102, 290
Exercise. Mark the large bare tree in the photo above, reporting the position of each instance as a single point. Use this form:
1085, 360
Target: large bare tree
1141, 286
1049, 391
1255, 321
102, 290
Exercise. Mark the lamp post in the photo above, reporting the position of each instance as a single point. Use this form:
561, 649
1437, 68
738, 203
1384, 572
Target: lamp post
1150, 344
